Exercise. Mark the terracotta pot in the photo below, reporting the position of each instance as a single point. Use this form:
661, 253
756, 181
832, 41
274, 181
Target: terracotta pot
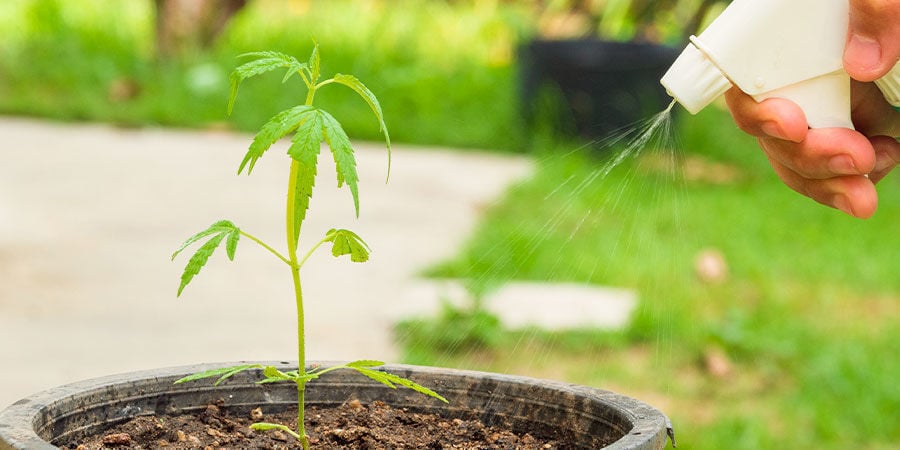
581, 415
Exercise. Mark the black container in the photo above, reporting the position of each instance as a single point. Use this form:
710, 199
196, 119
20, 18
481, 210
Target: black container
581, 415
603, 86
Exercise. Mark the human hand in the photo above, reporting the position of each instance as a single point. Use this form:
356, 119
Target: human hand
830, 165
873, 41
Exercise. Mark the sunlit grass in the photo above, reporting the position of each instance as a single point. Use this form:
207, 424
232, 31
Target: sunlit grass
805, 321
445, 71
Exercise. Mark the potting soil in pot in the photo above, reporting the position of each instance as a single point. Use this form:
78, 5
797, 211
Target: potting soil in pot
350, 426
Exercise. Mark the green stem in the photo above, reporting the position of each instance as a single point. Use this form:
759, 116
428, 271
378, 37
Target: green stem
266, 246
298, 296
324, 83
309, 84
310, 252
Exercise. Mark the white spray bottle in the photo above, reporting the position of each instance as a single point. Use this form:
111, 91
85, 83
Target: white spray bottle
791, 49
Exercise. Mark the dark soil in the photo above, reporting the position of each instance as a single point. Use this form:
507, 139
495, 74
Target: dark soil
350, 426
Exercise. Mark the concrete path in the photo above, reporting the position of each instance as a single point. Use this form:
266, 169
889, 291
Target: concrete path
90, 214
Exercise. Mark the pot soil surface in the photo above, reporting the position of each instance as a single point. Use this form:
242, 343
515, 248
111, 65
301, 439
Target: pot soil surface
352, 425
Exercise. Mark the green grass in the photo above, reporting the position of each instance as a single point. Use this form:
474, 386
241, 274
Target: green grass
808, 316
444, 72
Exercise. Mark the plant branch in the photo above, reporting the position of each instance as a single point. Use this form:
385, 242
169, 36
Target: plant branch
311, 251
324, 83
309, 84
267, 247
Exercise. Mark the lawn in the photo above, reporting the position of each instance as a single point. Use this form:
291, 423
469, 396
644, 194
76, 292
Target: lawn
795, 348
94, 60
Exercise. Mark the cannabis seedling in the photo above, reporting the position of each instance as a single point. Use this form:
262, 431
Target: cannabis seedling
311, 126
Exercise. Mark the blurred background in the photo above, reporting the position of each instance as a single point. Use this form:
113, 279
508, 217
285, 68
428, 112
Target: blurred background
763, 320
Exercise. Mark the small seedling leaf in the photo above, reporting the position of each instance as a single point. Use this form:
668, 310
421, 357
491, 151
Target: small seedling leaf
367, 95
290, 376
264, 426
223, 373
218, 231
273, 372
344, 158
313, 63
390, 380
346, 242
199, 260
264, 62
366, 363
276, 128
231, 243
222, 226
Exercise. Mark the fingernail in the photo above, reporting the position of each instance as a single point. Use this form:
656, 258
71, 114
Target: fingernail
842, 165
842, 203
862, 53
772, 129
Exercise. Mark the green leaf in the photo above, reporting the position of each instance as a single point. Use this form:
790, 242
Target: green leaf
222, 226
219, 231
390, 380
367, 95
231, 243
365, 363
273, 372
344, 158
264, 426
223, 373
346, 242
276, 128
305, 148
198, 261
264, 62
313, 63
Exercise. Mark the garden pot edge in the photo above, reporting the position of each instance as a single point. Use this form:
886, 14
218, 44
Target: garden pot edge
19, 420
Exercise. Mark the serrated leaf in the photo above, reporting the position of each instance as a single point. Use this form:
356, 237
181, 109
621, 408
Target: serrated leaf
346, 242
264, 426
344, 159
222, 226
313, 63
305, 148
265, 62
199, 260
291, 376
276, 128
273, 372
231, 243
218, 231
223, 373
390, 380
365, 363
367, 95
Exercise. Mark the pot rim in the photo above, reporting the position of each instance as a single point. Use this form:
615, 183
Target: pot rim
19, 420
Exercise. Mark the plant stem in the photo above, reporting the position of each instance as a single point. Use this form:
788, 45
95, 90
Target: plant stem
292, 229
266, 246
310, 252
298, 296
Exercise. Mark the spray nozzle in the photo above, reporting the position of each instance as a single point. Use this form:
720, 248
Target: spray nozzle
694, 81
774, 48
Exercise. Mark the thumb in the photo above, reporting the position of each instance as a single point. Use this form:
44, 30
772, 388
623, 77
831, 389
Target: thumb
873, 41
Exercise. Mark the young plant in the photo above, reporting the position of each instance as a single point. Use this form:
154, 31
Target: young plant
311, 126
